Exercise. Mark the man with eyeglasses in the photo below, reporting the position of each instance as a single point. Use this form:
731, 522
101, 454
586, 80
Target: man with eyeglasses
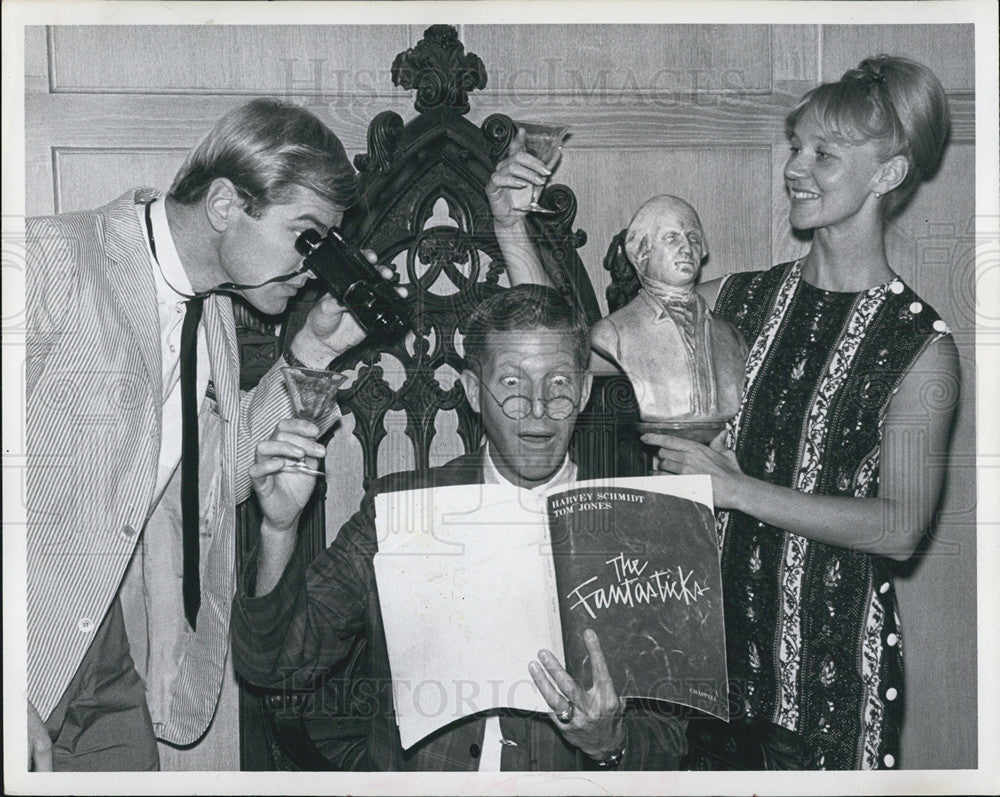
527, 351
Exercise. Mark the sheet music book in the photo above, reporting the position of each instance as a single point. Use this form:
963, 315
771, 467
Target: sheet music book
474, 580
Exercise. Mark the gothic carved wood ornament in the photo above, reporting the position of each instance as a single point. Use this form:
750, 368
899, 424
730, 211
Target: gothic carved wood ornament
423, 208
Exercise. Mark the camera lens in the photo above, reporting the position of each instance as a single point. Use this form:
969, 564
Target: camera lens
307, 242
347, 275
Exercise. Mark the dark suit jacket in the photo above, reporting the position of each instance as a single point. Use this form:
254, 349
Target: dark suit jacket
310, 621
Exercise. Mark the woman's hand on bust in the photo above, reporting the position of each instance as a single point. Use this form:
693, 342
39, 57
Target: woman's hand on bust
687, 457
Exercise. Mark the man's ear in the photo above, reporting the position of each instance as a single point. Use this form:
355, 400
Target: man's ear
470, 382
891, 173
642, 253
222, 202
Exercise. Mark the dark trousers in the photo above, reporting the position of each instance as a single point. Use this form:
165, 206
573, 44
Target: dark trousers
102, 724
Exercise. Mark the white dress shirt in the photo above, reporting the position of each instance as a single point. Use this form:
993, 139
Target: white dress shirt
493, 740
173, 288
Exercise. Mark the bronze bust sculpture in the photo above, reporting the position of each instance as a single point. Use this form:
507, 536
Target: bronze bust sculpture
685, 364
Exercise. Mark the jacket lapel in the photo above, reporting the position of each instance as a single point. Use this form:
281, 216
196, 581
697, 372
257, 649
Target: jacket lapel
222, 353
130, 276
220, 336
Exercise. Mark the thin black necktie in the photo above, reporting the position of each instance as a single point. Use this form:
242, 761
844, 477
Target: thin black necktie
191, 588
190, 520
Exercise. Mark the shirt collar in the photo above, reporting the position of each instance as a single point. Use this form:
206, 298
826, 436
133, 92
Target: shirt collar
492, 475
171, 270
659, 306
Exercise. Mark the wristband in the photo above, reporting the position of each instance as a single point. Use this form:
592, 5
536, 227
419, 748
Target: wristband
612, 761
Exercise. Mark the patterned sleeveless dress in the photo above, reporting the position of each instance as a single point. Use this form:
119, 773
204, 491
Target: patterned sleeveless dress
812, 630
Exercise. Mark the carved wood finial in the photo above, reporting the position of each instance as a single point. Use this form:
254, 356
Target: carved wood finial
440, 70
384, 134
499, 130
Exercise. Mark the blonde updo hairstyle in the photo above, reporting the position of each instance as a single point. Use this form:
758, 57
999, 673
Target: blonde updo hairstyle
889, 99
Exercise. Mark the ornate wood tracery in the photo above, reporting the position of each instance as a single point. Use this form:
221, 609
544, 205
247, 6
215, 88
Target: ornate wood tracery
423, 207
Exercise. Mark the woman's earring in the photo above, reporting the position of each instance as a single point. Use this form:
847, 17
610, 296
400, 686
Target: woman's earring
878, 194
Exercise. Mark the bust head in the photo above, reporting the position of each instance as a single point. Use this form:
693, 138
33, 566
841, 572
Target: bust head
666, 244
685, 364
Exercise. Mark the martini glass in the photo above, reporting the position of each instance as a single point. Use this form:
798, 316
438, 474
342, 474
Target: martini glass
314, 398
542, 141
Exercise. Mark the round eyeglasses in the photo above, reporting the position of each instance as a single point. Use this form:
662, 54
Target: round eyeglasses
558, 408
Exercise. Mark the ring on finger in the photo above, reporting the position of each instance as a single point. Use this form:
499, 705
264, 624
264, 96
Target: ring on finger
566, 715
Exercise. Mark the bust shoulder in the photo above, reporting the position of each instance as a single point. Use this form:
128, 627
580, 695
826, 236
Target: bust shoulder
724, 328
635, 311
605, 335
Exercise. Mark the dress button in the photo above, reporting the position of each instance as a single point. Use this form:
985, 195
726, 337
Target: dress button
940, 326
890, 693
86, 625
916, 307
474, 750
891, 640
884, 588
890, 760
896, 286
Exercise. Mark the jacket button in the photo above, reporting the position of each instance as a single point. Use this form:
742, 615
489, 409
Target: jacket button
474, 750
86, 625
128, 532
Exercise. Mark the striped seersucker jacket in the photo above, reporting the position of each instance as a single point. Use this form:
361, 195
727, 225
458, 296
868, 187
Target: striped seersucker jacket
93, 412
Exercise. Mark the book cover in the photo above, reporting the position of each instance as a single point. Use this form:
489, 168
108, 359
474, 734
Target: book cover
640, 566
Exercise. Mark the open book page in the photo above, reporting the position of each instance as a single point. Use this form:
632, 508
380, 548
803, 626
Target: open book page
468, 599
637, 560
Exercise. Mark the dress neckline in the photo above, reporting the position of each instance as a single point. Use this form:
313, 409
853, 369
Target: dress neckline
895, 285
